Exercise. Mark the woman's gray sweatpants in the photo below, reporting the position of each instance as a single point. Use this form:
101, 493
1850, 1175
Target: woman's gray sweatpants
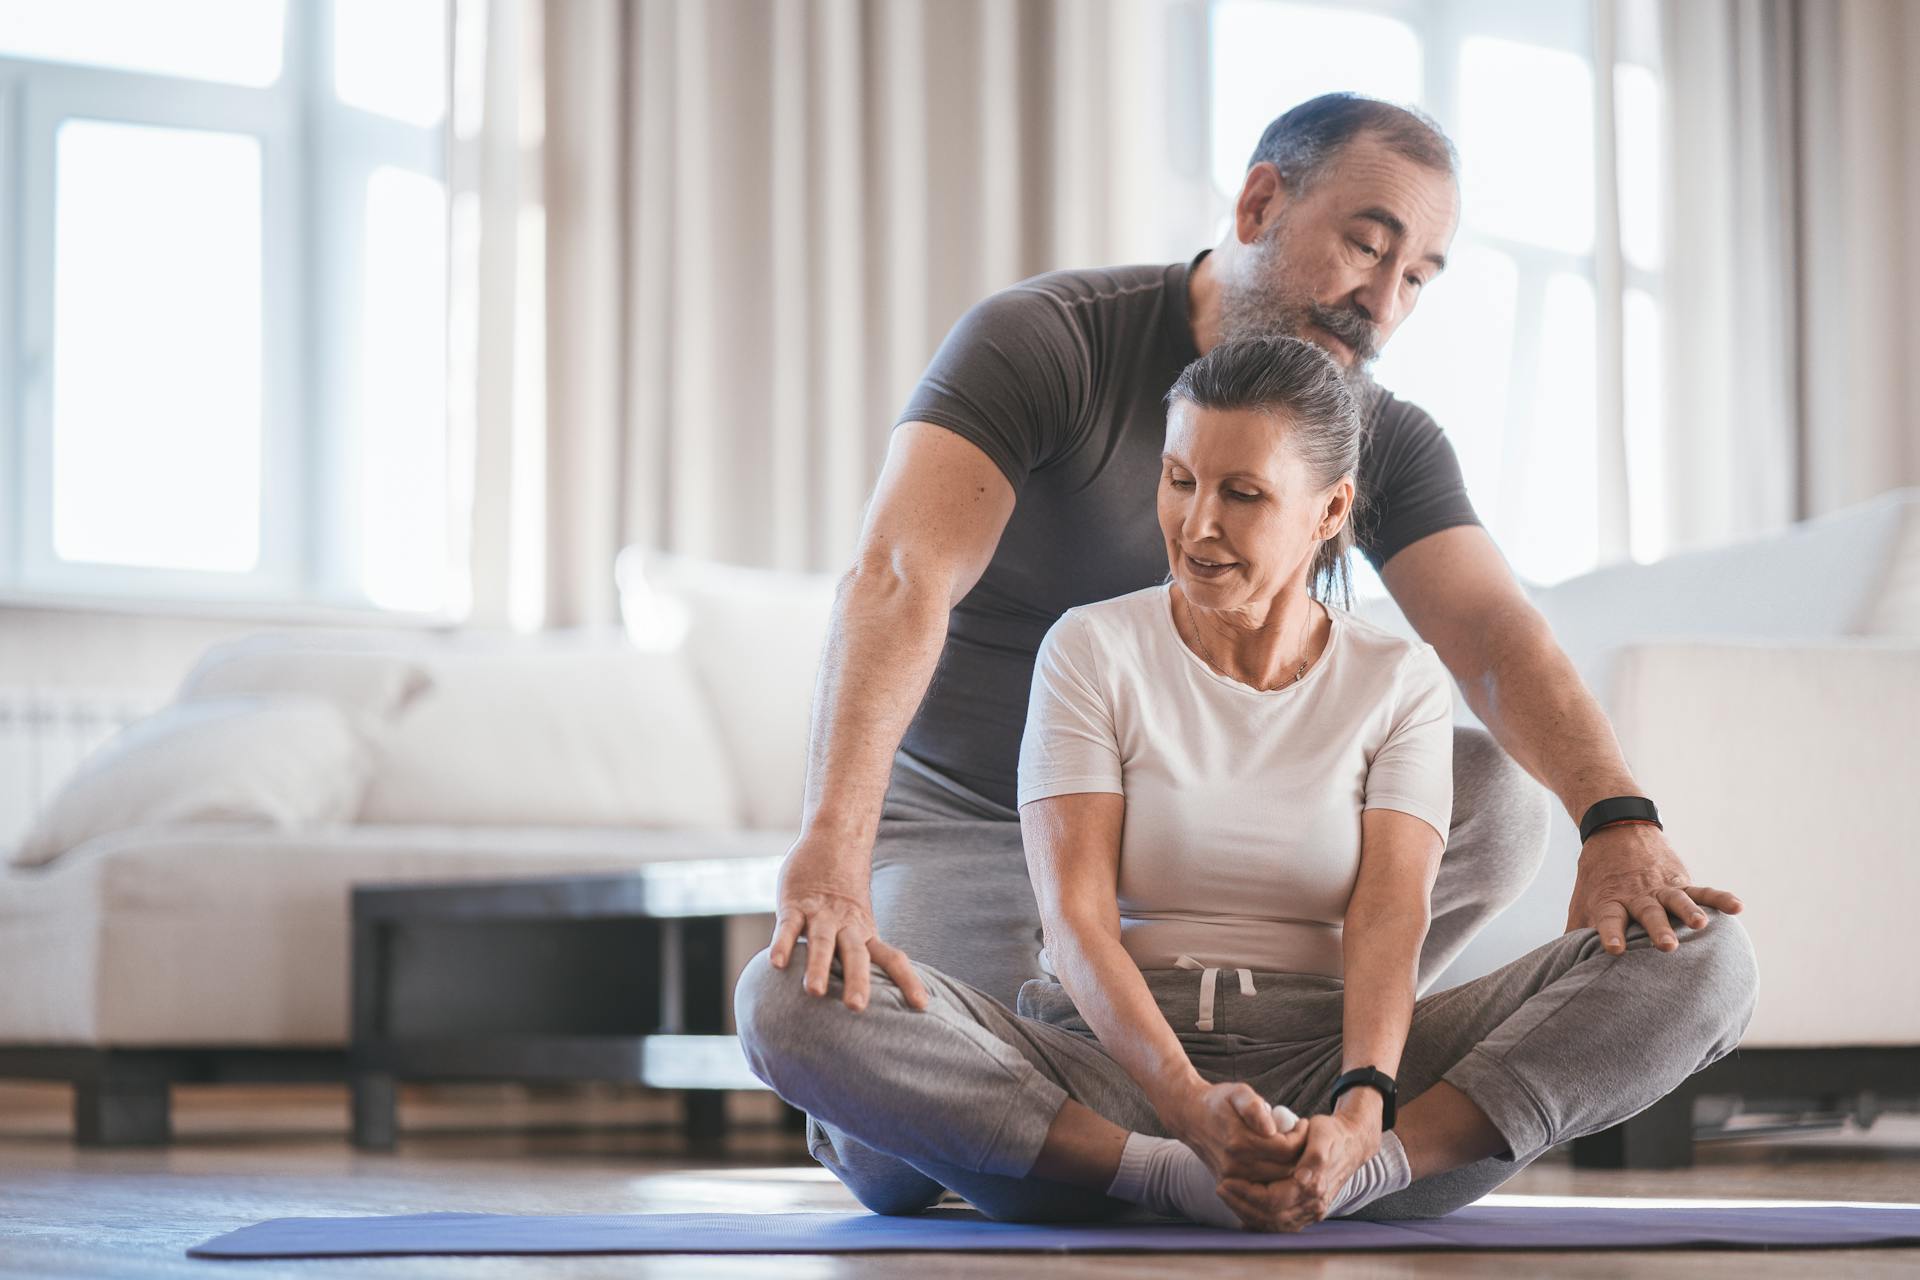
902, 1104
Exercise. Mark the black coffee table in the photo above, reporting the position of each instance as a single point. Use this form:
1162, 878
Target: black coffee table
617, 976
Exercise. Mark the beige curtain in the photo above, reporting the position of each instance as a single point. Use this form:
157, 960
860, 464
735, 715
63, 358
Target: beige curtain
496, 352
1859, 241
761, 216
1794, 180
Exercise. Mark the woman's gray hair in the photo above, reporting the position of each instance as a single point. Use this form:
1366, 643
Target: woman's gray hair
1299, 383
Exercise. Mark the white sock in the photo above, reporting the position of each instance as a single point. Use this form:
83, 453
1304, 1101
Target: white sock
1166, 1176
1386, 1171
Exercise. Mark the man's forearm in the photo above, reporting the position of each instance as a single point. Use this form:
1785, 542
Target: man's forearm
885, 640
1535, 705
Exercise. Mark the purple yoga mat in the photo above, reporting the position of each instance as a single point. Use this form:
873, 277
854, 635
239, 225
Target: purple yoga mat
1475, 1227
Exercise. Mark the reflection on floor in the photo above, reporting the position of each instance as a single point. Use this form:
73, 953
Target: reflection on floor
243, 1154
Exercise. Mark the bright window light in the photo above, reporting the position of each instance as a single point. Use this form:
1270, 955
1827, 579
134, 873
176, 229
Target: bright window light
1636, 110
1557, 533
1646, 427
1454, 358
234, 41
403, 409
1268, 57
1526, 143
389, 57
156, 347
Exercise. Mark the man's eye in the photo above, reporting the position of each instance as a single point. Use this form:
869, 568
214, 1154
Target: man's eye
1180, 484
1366, 248
1244, 497
1416, 282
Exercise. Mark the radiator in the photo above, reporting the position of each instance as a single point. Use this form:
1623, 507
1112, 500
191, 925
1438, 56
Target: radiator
45, 734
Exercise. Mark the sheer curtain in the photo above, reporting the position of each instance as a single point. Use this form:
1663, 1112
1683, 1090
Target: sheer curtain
759, 218
1794, 173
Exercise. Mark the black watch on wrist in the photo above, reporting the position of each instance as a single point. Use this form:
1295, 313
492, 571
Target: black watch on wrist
1375, 1077
1617, 809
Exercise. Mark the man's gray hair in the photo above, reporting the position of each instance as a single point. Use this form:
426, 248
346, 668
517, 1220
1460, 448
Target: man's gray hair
1300, 385
1303, 143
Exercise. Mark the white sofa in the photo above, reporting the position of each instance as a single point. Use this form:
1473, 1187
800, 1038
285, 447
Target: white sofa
1767, 695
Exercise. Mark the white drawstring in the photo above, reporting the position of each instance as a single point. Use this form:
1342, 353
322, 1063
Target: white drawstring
1209, 975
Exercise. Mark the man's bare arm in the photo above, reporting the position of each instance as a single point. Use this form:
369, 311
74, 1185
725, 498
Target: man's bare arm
1457, 591
936, 515
1460, 595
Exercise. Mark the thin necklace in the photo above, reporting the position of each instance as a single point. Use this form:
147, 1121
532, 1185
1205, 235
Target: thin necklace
1206, 653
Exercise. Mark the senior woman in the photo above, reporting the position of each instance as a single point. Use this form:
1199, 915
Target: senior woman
1226, 775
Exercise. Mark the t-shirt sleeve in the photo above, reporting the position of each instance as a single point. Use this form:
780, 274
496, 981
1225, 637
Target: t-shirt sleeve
1012, 377
1413, 769
1414, 485
1069, 744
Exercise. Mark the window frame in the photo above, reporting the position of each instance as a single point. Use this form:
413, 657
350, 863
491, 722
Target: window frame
1443, 27
317, 154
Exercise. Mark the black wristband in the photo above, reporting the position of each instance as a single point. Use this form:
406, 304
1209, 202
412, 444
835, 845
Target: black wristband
1378, 1079
1617, 809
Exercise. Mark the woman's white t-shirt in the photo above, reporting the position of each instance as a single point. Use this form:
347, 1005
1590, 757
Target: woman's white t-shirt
1241, 842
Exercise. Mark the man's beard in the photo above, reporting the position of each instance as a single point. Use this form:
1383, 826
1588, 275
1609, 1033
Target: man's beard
1260, 304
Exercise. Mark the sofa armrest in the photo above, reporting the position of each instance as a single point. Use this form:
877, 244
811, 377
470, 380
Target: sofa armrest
1785, 772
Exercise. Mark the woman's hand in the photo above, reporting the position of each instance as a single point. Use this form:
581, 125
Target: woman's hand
1336, 1145
1232, 1129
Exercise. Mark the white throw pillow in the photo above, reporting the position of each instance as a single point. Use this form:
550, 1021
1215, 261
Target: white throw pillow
755, 637
374, 685
285, 760
554, 735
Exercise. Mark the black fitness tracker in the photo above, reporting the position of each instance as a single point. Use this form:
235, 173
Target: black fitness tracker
1375, 1077
1617, 809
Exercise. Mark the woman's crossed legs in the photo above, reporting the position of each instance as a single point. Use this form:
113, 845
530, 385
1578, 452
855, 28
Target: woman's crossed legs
1562, 1042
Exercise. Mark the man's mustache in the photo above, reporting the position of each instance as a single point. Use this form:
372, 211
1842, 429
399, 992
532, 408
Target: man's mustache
1350, 326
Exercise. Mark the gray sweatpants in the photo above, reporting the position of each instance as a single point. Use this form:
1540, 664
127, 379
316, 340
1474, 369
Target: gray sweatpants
903, 1104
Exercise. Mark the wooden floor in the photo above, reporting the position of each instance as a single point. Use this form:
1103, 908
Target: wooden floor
244, 1154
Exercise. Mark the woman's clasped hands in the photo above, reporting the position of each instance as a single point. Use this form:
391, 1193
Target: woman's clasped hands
1274, 1179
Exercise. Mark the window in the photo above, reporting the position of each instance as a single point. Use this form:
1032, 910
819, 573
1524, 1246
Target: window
1506, 350
228, 219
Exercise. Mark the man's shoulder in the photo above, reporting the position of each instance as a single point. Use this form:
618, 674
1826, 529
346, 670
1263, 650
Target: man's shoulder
1073, 292
1393, 417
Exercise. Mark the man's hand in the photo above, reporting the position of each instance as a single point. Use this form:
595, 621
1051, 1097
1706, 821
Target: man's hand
1336, 1145
835, 916
1231, 1128
1629, 873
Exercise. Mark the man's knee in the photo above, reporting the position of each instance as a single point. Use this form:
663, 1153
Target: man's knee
1722, 985
1502, 816
768, 1003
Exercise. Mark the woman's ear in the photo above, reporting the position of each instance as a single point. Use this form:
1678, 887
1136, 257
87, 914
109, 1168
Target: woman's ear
1339, 507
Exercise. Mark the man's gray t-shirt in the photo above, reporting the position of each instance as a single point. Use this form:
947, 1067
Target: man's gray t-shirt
1061, 380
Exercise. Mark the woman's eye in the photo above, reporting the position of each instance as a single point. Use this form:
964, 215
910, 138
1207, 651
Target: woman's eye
1244, 497
1180, 484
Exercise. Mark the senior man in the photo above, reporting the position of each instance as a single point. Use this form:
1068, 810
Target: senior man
1020, 481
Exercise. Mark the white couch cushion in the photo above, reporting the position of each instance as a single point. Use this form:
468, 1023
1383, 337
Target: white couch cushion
1785, 773
754, 636
376, 685
285, 760
556, 734
1821, 579
211, 935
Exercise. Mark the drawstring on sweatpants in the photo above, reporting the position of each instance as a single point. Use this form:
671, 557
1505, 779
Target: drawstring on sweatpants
1209, 975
